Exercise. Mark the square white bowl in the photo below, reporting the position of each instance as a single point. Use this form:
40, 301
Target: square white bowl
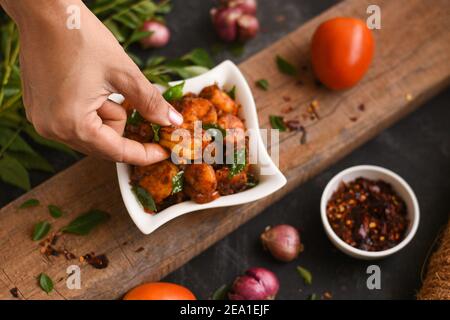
225, 75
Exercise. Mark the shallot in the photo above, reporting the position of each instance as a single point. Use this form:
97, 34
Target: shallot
235, 20
282, 241
255, 284
159, 34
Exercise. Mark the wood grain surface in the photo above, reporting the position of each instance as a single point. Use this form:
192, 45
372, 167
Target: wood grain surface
411, 65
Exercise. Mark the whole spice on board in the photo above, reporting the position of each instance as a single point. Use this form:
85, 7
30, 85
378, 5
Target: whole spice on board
368, 214
98, 262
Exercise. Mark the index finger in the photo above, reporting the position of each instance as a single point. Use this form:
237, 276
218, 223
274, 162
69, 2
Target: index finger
108, 143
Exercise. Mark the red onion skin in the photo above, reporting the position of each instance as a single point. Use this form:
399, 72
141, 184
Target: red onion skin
160, 34
247, 6
225, 22
283, 242
255, 284
248, 27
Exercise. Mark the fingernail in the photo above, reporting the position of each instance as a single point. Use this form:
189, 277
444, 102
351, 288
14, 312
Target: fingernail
175, 117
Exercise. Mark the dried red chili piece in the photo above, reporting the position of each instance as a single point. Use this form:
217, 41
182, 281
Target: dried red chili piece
368, 214
14, 292
98, 262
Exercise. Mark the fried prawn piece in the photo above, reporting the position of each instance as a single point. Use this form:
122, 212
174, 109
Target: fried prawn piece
197, 109
234, 127
141, 132
220, 99
183, 142
228, 185
200, 183
156, 179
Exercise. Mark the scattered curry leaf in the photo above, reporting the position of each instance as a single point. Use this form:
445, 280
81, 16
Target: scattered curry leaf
263, 84
232, 93
221, 293
178, 182
144, 198
238, 164
40, 230
277, 122
30, 203
155, 128
45, 282
305, 274
174, 93
285, 67
55, 211
84, 223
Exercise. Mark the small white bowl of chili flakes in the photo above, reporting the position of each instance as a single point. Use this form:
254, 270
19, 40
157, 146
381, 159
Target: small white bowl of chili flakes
369, 212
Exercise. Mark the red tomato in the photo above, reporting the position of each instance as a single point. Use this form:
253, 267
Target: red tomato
159, 291
342, 50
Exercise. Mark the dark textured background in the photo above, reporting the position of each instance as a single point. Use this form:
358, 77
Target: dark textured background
417, 148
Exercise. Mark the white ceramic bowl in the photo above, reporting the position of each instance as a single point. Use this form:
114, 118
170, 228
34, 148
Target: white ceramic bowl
374, 173
226, 75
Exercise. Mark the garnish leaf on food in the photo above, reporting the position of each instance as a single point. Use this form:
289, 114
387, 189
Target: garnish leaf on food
45, 282
55, 211
221, 293
155, 128
232, 93
174, 93
238, 164
305, 274
30, 203
214, 129
135, 118
285, 67
178, 182
277, 122
41, 229
263, 84
84, 223
145, 198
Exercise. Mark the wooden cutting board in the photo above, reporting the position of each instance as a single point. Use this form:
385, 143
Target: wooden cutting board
411, 64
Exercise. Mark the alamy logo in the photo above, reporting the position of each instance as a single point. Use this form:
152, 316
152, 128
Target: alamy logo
374, 20
74, 19
374, 280
74, 279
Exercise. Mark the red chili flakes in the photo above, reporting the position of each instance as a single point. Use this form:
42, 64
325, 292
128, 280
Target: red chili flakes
353, 119
312, 110
287, 98
362, 107
287, 109
368, 214
98, 262
14, 292
140, 249
293, 125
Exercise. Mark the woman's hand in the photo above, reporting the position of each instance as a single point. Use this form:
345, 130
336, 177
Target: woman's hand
67, 76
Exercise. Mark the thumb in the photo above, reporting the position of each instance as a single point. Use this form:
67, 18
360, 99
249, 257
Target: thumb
145, 98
